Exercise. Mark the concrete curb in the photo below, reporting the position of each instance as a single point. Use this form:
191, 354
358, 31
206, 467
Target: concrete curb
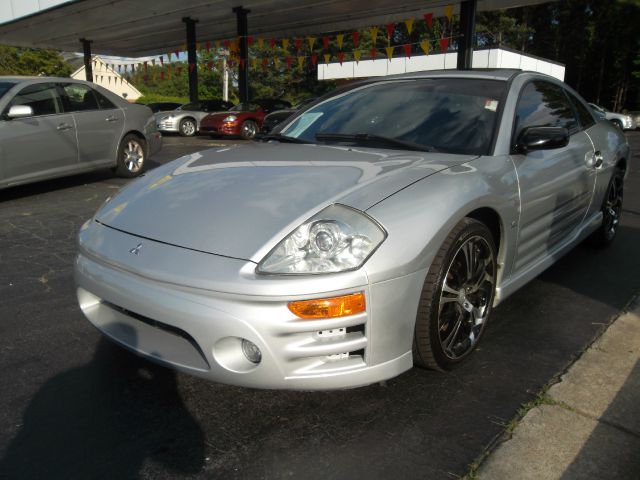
588, 424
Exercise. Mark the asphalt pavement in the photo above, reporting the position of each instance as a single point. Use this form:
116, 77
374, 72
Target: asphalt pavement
72, 405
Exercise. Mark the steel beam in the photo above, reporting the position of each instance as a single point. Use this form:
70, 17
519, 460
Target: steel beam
192, 58
467, 33
243, 64
88, 65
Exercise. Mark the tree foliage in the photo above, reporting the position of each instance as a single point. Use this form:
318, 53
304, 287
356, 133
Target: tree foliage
29, 61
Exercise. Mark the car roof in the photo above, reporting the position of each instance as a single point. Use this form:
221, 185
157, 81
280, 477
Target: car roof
480, 73
27, 79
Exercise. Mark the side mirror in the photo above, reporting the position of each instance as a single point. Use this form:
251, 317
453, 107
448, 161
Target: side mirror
542, 138
20, 111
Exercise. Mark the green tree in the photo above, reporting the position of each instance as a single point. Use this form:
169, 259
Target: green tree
29, 61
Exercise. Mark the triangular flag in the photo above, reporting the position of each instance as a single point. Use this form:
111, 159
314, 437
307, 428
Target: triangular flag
312, 42
390, 28
340, 40
217, 44
153, 62
428, 19
356, 38
340, 57
177, 52
227, 44
119, 67
260, 43
265, 62
285, 43
161, 59
169, 56
425, 46
276, 62
197, 45
389, 52
289, 61
145, 66
314, 59
272, 43
300, 63
207, 46
374, 34
249, 41
409, 24
298, 43
327, 57
372, 53
407, 50
254, 63
357, 55
448, 12
325, 42
444, 44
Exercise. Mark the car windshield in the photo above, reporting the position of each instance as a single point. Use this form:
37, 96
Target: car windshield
5, 87
245, 107
191, 107
450, 115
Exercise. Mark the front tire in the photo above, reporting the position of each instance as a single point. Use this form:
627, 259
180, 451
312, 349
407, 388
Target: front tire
187, 127
131, 156
456, 298
248, 129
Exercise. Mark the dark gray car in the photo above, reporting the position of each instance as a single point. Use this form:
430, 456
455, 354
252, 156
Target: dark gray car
53, 127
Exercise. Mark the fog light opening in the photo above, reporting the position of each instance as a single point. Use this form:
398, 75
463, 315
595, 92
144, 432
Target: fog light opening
251, 351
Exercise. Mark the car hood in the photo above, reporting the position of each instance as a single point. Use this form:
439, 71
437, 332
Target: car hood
240, 201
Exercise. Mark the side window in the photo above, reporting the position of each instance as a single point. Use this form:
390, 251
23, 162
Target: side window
103, 101
584, 115
43, 98
80, 97
543, 104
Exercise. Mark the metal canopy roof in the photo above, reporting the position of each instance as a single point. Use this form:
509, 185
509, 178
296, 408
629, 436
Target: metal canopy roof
146, 27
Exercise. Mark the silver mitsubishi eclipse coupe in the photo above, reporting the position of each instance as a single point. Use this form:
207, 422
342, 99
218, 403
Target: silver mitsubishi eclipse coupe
374, 231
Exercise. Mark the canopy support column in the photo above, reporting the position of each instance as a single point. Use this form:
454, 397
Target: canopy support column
88, 65
243, 64
192, 58
468, 34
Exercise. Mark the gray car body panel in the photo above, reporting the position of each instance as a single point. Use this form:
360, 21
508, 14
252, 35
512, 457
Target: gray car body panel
87, 142
169, 121
199, 225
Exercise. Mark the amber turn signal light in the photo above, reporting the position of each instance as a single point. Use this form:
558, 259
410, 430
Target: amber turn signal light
329, 307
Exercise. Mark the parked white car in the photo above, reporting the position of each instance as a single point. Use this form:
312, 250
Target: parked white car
620, 120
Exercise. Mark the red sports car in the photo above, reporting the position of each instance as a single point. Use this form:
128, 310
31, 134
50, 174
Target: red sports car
245, 119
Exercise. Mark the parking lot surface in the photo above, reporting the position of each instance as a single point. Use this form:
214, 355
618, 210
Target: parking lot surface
72, 405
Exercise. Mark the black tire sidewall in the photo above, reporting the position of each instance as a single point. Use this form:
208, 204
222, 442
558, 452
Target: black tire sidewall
431, 296
181, 127
121, 168
242, 134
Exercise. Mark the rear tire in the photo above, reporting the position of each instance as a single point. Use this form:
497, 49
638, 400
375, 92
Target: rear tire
456, 297
611, 212
131, 156
187, 127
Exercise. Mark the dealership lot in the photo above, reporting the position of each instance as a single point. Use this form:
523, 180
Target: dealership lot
74, 406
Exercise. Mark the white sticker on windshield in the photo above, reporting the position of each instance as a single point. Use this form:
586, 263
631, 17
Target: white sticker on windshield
491, 105
302, 123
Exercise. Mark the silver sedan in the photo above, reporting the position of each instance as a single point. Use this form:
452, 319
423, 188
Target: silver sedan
375, 232
185, 119
52, 127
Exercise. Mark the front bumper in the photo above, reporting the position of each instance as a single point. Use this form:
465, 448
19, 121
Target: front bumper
171, 126
220, 128
198, 330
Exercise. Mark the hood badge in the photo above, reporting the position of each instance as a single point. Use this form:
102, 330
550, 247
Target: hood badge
136, 250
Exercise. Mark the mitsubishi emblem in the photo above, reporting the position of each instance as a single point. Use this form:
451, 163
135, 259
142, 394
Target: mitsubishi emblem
136, 250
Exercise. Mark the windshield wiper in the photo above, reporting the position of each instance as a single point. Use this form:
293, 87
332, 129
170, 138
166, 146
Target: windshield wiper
280, 138
368, 138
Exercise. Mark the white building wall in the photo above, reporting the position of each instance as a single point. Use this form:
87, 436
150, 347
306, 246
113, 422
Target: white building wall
109, 79
493, 58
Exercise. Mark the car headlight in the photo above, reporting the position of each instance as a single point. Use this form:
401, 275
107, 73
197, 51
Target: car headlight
230, 118
336, 239
168, 117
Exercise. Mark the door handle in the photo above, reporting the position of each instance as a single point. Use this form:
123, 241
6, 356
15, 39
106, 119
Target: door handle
598, 159
112, 118
64, 126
